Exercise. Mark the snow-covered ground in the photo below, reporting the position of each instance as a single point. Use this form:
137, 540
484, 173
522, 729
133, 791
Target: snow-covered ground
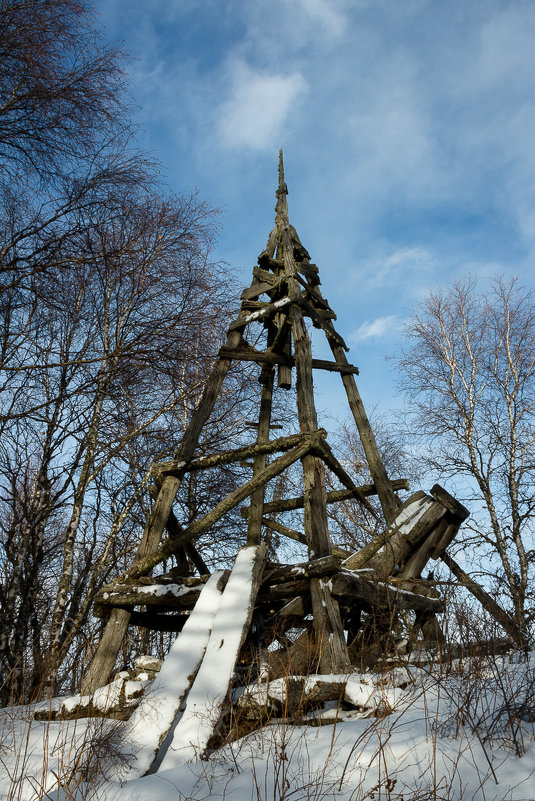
464, 731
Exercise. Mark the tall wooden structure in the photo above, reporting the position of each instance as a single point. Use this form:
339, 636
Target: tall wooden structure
328, 593
284, 293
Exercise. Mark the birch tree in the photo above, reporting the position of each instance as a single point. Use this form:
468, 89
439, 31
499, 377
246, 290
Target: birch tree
469, 376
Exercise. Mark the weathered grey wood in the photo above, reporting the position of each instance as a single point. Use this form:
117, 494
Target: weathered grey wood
256, 506
233, 499
389, 501
170, 596
399, 546
316, 568
456, 509
486, 601
209, 691
334, 496
334, 658
410, 508
348, 584
270, 357
108, 649
328, 629
179, 467
298, 536
334, 465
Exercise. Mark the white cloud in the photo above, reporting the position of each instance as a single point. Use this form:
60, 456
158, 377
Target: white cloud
258, 107
326, 13
414, 262
374, 329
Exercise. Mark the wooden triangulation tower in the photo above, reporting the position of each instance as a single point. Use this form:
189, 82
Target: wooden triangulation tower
284, 293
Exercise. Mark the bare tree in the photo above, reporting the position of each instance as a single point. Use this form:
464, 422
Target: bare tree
469, 376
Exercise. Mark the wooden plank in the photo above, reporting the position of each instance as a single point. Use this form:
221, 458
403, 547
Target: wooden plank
456, 509
328, 629
233, 499
270, 357
298, 536
347, 584
408, 511
334, 496
334, 465
261, 314
408, 534
209, 691
387, 497
169, 596
153, 718
486, 601
179, 467
256, 506
316, 568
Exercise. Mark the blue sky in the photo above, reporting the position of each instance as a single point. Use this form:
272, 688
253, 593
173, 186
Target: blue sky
408, 129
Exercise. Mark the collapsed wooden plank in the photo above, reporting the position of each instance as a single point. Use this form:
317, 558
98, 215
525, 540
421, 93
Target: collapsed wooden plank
210, 688
151, 721
347, 584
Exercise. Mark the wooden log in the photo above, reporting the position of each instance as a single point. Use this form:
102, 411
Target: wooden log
209, 691
334, 465
280, 444
260, 314
256, 507
486, 601
417, 559
108, 649
350, 585
334, 496
316, 568
457, 510
410, 508
169, 596
233, 499
270, 357
328, 629
284, 372
270, 593
408, 534
387, 497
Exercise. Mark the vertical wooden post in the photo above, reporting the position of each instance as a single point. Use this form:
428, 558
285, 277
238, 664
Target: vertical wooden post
328, 629
256, 508
387, 497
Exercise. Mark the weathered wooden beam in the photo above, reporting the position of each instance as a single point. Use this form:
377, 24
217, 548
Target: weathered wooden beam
349, 585
280, 444
408, 511
334, 465
457, 510
334, 496
298, 536
169, 596
315, 568
409, 533
261, 314
198, 527
486, 601
270, 357
256, 506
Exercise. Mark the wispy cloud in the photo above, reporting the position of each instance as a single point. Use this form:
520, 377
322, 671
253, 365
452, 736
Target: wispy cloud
375, 329
258, 107
404, 263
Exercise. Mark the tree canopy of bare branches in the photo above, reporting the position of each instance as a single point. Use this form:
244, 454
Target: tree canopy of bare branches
469, 376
